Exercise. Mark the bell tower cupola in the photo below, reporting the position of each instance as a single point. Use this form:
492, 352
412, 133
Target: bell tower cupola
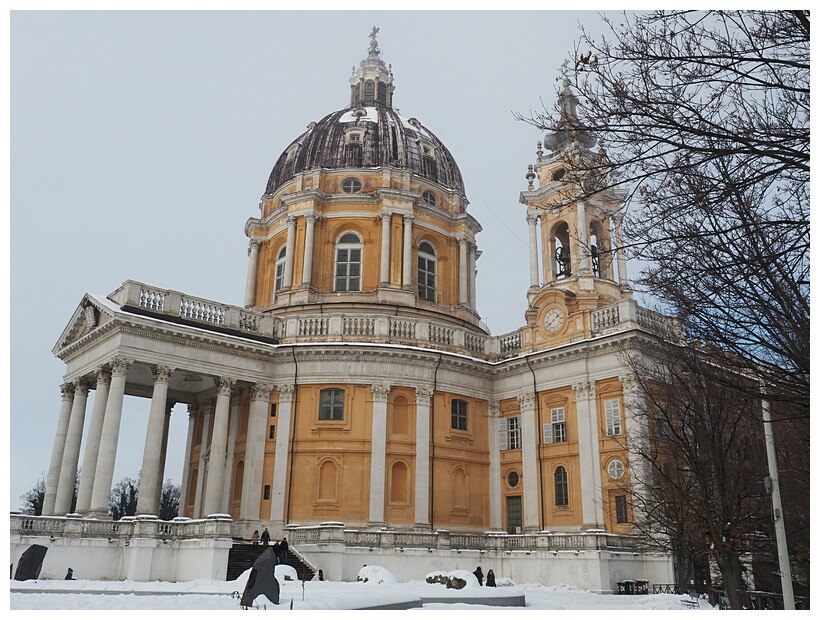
372, 83
576, 264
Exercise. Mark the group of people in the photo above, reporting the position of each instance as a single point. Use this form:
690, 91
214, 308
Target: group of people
480, 576
280, 549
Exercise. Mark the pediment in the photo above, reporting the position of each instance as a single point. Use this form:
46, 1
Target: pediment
90, 315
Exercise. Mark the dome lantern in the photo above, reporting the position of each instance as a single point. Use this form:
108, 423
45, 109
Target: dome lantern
372, 83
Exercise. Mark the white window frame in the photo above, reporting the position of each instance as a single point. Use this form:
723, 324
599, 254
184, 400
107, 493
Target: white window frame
332, 411
615, 469
509, 430
612, 413
430, 261
279, 279
555, 431
349, 248
351, 185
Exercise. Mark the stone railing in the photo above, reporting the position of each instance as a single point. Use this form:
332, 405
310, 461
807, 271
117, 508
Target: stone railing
338, 327
335, 532
75, 526
178, 306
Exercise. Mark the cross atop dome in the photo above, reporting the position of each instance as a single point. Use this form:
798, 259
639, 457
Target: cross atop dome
372, 83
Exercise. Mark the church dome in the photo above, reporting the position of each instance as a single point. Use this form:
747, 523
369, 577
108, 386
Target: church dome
368, 137
367, 134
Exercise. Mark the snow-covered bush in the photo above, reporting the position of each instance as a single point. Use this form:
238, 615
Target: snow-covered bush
376, 574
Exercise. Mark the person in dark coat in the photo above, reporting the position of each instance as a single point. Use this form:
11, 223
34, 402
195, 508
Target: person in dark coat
265, 537
283, 550
490, 578
479, 575
70, 574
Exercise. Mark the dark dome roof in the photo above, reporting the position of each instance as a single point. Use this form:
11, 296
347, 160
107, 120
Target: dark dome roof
390, 140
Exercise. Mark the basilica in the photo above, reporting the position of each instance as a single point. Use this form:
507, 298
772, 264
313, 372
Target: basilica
355, 400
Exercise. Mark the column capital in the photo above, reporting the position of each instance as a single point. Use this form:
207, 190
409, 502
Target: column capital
82, 386
494, 408
120, 366
464, 240
103, 375
67, 390
584, 389
424, 393
291, 220
162, 374
254, 244
532, 219
261, 391
380, 392
191, 410
408, 217
629, 381
526, 400
385, 215
286, 391
311, 217
225, 386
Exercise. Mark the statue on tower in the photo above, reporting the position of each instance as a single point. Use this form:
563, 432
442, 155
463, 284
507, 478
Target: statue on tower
374, 32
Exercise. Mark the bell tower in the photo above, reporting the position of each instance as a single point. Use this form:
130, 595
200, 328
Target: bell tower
576, 264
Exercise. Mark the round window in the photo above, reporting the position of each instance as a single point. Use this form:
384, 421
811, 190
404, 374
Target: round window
558, 174
429, 198
513, 479
615, 469
351, 186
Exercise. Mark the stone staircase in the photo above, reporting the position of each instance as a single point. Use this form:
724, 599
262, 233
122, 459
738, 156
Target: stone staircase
243, 554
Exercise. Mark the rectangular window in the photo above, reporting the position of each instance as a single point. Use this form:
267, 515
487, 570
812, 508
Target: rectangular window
621, 514
267, 492
272, 432
273, 410
510, 433
612, 411
555, 431
459, 415
332, 404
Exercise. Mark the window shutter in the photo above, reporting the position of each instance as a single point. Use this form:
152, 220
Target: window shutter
502, 432
547, 433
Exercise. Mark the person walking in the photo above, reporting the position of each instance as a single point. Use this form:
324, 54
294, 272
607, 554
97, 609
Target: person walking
265, 537
255, 537
283, 550
490, 578
70, 574
320, 576
479, 575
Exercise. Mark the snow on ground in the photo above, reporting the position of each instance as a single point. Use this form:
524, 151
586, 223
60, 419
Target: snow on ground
381, 588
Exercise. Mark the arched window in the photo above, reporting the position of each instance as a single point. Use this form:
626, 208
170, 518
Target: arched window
369, 92
280, 269
561, 487
382, 93
349, 262
427, 271
562, 266
398, 483
357, 94
399, 416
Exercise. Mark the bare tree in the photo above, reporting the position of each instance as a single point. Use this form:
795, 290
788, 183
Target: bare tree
123, 499
169, 501
704, 117
32, 500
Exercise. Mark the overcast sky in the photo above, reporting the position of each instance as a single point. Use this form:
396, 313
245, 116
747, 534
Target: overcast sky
141, 142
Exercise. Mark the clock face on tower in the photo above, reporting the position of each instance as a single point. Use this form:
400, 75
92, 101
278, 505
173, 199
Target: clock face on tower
553, 320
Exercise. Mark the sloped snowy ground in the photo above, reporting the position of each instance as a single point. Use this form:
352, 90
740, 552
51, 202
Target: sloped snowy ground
381, 588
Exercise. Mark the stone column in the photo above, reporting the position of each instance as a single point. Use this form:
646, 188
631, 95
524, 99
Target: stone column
250, 281
255, 452
53, 477
462, 271
472, 274
163, 455
547, 255
71, 454
204, 456
623, 280
307, 263
584, 259
186, 464
104, 474
529, 458
289, 252
532, 221
637, 436
233, 430
219, 444
150, 477
92, 442
378, 447
384, 273
423, 399
495, 466
589, 456
407, 252
281, 462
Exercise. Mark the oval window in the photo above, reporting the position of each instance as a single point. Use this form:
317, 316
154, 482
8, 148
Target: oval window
558, 174
351, 186
513, 479
615, 469
429, 198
